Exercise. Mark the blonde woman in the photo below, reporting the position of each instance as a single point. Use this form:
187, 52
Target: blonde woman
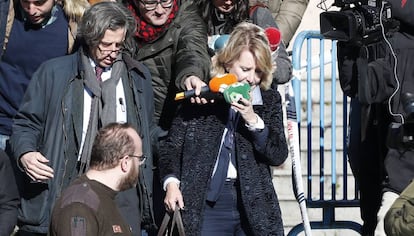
215, 162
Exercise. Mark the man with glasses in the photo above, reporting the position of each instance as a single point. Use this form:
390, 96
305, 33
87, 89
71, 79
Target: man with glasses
67, 101
172, 42
87, 206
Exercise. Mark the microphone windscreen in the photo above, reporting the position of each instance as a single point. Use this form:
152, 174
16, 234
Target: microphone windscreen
274, 36
216, 82
236, 91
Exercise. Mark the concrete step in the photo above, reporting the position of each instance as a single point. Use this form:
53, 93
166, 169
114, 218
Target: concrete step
292, 216
316, 91
315, 112
326, 142
286, 168
285, 188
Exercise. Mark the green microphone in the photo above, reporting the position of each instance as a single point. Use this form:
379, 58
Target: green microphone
234, 92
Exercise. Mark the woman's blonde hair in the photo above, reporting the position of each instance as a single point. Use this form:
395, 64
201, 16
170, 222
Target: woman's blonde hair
74, 9
246, 36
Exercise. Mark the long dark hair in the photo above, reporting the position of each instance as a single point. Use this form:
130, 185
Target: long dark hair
239, 14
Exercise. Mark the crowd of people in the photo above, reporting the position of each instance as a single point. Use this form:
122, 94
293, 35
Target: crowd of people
92, 141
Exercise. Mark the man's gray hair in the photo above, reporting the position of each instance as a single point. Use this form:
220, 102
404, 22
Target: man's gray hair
104, 16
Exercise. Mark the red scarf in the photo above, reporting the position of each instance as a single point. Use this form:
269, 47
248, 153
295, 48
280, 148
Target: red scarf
147, 32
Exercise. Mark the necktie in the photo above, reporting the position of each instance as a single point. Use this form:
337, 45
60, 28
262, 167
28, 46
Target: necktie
226, 154
98, 72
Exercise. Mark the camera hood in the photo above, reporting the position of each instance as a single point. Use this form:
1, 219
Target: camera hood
339, 25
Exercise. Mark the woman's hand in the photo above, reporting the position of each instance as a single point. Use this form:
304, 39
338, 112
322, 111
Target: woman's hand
245, 108
173, 197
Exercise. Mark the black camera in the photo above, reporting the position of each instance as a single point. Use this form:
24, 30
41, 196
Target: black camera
357, 22
401, 135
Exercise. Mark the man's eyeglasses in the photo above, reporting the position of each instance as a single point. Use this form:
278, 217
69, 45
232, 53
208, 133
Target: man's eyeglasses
108, 52
141, 158
151, 5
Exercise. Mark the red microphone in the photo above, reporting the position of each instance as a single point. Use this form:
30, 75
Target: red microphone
216, 84
274, 36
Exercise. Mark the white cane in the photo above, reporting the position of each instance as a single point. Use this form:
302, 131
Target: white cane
294, 149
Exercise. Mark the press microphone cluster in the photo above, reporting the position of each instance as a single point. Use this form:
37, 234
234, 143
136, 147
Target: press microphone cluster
219, 84
216, 85
273, 36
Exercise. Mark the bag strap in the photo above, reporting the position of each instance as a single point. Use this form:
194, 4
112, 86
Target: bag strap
164, 225
175, 221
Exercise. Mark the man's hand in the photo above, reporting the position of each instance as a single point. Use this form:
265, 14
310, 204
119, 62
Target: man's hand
173, 197
193, 82
35, 166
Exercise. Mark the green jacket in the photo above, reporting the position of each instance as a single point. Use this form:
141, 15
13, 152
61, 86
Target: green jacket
399, 220
180, 52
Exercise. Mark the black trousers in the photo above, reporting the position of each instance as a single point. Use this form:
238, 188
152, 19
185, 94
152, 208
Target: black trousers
366, 158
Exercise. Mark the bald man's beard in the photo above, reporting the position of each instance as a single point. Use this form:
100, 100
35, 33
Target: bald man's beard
130, 180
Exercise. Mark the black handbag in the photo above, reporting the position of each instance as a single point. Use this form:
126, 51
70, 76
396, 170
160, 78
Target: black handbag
170, 226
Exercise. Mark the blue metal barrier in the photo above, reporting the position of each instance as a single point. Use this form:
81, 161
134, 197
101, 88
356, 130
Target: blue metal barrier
322, 198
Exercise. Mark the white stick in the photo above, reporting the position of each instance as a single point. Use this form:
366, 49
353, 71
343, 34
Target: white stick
294, 149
